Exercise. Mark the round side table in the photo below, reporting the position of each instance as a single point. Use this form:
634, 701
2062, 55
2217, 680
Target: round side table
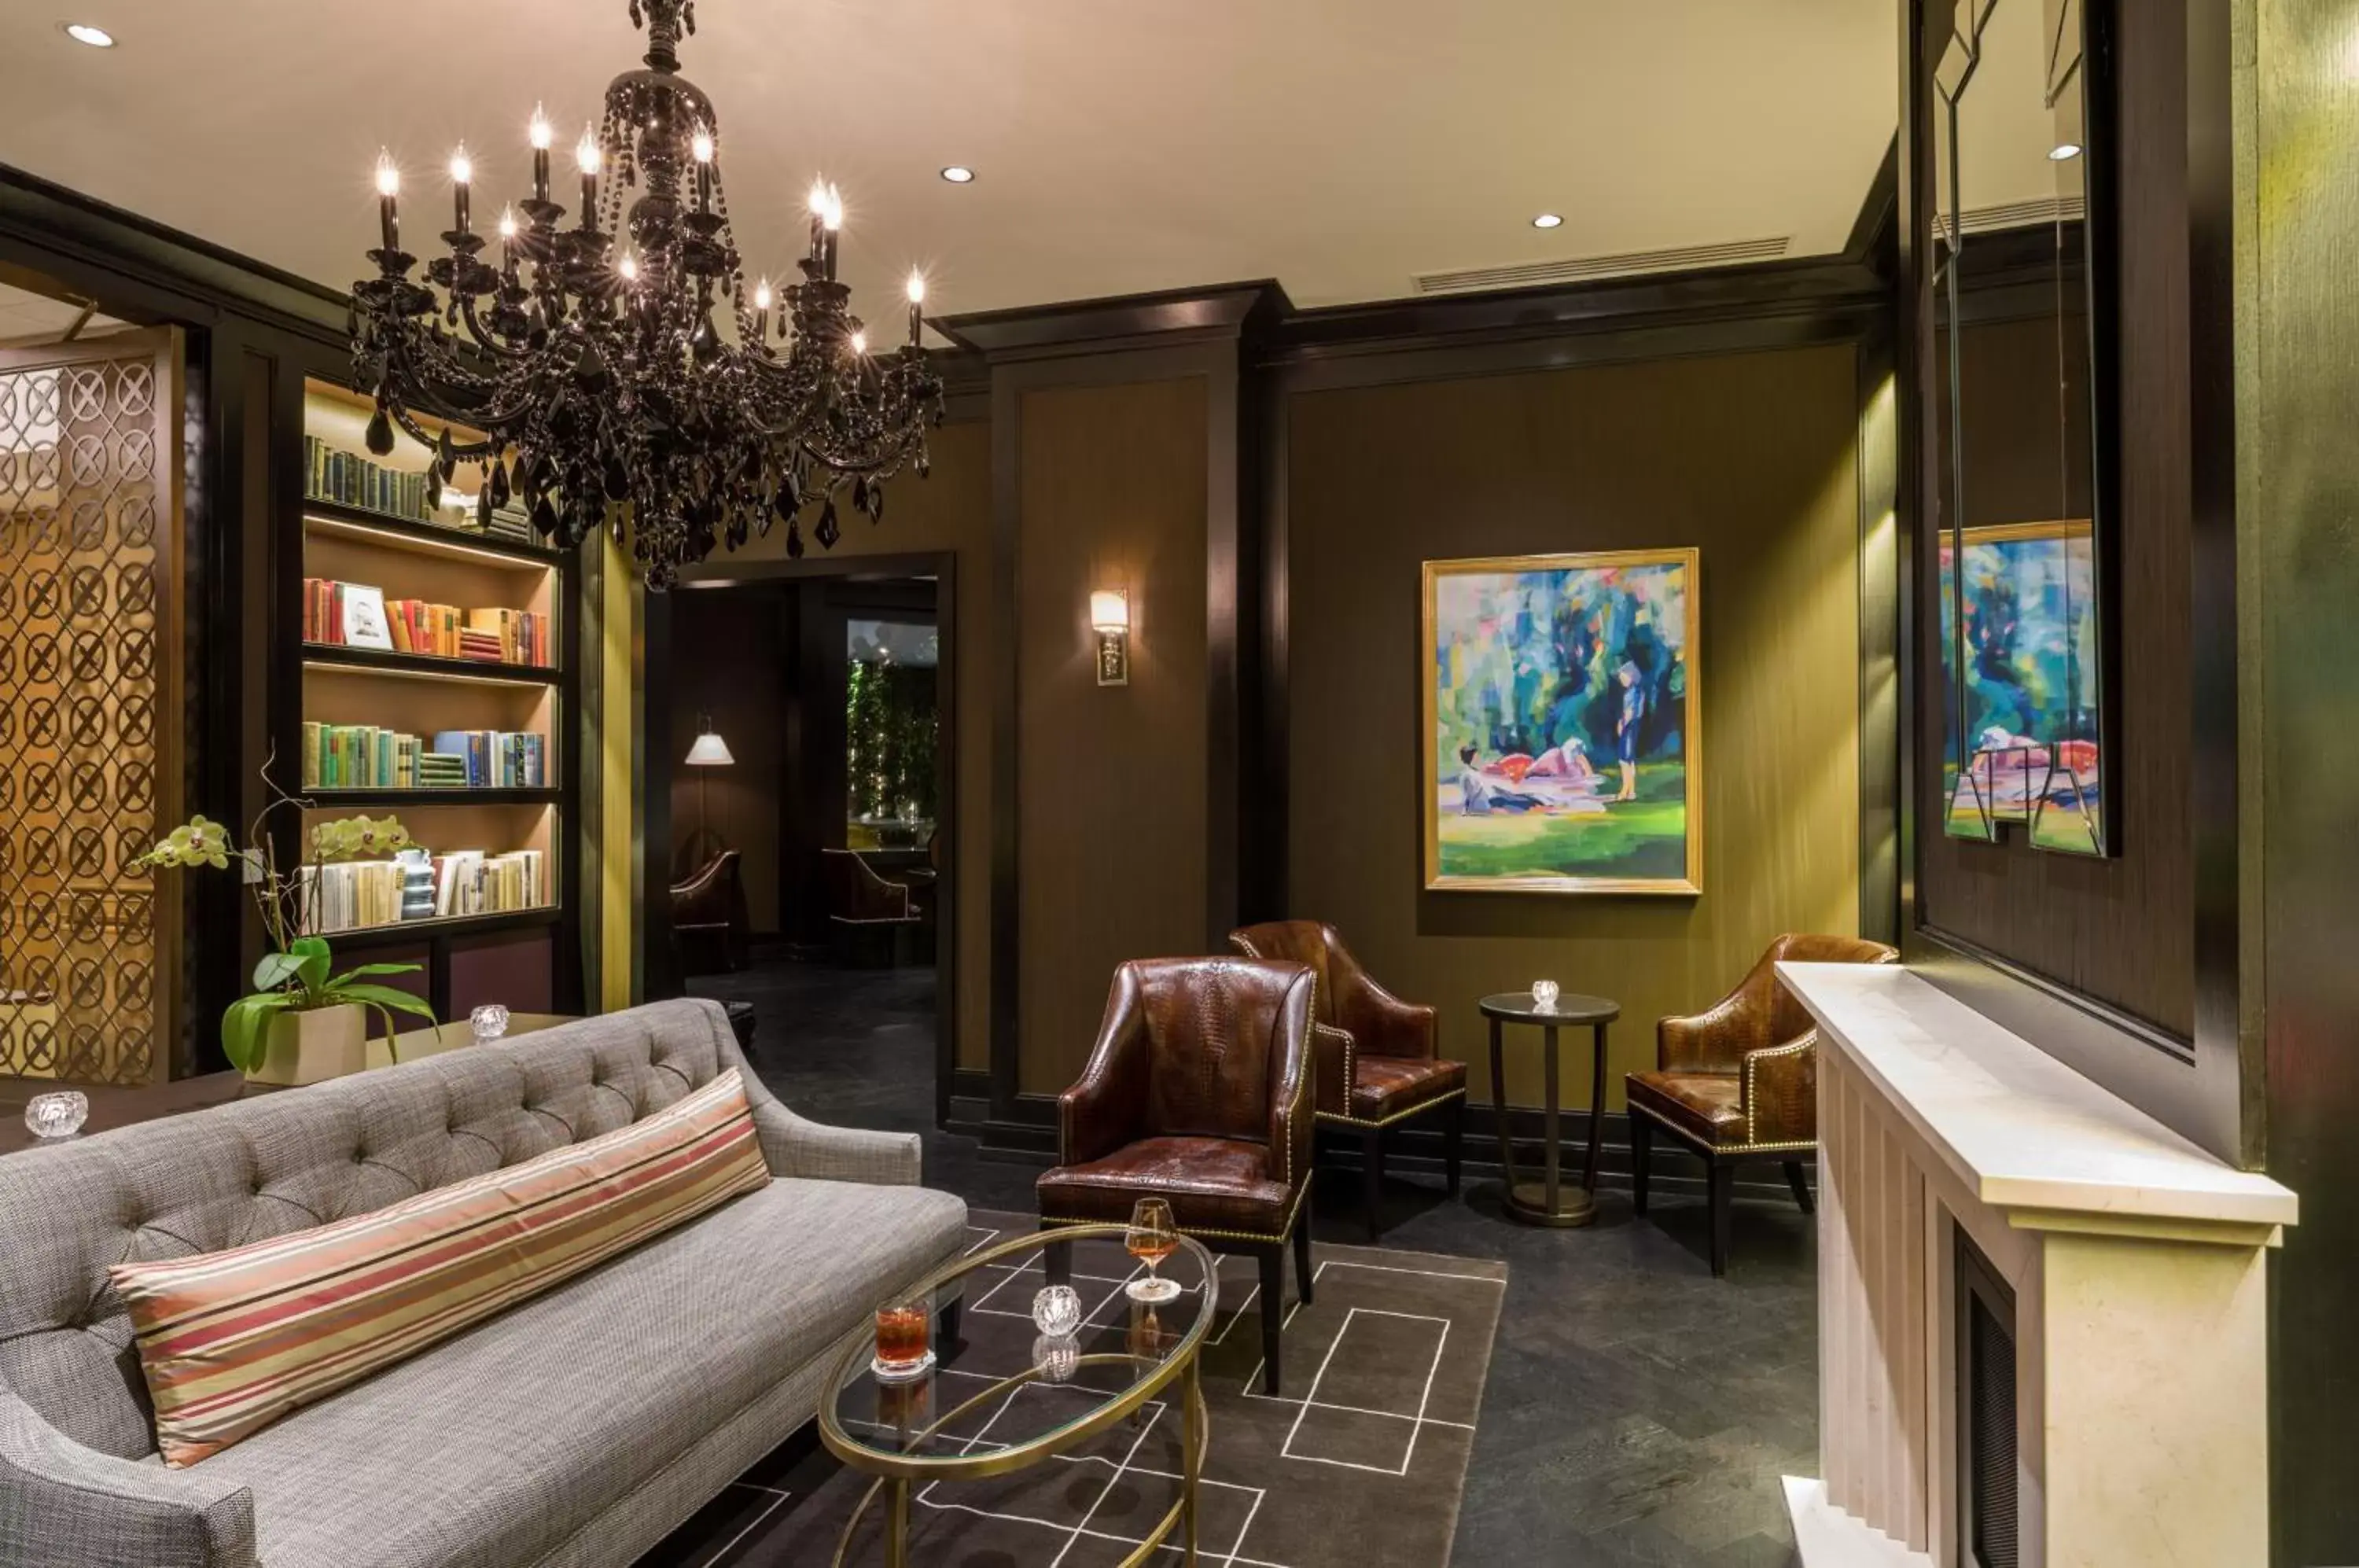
1545, 1202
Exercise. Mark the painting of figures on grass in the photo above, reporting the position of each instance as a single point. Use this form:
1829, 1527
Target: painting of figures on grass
2022, 728
1562, 726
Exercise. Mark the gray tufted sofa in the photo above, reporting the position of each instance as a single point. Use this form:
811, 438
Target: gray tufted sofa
578, 1427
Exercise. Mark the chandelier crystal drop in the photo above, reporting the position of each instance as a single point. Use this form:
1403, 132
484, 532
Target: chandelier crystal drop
592, 354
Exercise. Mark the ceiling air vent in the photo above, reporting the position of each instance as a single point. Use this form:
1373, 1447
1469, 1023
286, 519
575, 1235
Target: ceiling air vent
2036, 213
1582, 269
2025, 213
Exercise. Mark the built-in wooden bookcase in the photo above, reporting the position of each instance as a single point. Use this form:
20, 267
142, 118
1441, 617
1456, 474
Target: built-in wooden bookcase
365, 522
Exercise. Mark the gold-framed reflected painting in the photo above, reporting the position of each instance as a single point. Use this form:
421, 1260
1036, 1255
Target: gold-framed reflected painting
1563, 733
2023, 721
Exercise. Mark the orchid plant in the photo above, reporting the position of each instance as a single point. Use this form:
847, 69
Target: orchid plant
297, 976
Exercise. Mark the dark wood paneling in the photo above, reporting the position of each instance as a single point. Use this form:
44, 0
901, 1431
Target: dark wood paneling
1752, 457
1113, 811
728, 667
516, 969
2118, 932
2297, 351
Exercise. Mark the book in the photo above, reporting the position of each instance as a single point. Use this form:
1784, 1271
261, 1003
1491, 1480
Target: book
365, 757
358, 614
331, 474
354, 895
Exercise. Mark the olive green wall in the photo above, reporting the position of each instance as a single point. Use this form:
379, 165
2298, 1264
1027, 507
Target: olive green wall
1751, 459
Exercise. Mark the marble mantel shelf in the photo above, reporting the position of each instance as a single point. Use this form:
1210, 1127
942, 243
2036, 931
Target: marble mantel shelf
2024, 1133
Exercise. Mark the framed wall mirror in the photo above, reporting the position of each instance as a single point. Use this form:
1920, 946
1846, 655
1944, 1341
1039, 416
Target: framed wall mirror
2023, 276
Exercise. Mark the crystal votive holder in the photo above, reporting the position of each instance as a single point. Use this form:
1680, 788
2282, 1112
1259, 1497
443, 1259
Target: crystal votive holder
1057, 1310
57, 1114
1059, 1357
1544, 995
489, 1023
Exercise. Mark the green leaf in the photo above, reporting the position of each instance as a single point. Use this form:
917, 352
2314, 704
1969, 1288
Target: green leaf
373, 969
313, 952
245, 1028
276, 969
384, 996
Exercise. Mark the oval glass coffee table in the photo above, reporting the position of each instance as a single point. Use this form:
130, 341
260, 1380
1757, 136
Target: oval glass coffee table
1009, 1400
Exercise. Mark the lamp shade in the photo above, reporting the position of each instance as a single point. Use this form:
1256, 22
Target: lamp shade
710, 751
1109, 610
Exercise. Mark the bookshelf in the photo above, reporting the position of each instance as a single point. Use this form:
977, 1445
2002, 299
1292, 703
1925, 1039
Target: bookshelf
433, 661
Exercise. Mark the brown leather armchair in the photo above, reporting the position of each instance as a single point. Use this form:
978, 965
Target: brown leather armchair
1377, 1062
1198, 1092
870, 914
709, 929
1739, 1081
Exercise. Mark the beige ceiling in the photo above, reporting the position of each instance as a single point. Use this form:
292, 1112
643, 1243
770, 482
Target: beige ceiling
27, 319
1339, 146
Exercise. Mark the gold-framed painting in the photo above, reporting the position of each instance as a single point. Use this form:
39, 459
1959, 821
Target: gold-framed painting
1563, 723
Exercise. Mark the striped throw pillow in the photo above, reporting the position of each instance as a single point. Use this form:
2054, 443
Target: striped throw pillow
231, 1341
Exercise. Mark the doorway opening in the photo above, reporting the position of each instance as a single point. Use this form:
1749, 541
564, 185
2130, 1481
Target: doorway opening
810, 806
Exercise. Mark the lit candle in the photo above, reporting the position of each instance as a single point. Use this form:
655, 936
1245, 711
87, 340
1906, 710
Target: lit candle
860, 342
507, 237
834, 226
541, 139
388, 186
818, 221
762, 311
917, 307
702, 150
629, 267
462, 174
585, 153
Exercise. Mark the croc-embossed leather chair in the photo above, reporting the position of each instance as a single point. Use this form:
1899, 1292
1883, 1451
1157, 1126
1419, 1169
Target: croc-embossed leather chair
1739, 1082
1198, 1093
1377, 1065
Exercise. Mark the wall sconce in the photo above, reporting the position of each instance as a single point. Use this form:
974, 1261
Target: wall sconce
1110, 619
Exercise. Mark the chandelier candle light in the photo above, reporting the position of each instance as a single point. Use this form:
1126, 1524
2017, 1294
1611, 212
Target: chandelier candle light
594, 357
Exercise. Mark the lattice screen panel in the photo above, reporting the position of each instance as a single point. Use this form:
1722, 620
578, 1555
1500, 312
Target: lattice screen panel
87, 470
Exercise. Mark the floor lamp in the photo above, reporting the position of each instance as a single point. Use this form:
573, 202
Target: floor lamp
710, 751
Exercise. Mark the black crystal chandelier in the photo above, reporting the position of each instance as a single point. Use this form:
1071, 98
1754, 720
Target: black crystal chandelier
592, 357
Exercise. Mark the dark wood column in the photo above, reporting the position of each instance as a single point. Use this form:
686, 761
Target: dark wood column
1122, 434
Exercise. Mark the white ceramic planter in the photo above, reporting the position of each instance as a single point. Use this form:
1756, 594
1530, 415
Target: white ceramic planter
312, 1047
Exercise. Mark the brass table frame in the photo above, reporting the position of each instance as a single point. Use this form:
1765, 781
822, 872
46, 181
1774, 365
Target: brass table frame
899, 1471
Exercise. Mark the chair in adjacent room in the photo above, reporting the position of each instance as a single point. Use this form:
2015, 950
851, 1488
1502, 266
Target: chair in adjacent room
871, 916
1377, 1059
709, 929
1198, 1092
1738, 1083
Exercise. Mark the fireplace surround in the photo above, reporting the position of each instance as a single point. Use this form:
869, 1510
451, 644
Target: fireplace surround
1968, 1178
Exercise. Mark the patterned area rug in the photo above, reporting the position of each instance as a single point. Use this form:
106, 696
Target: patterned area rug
1361, 1458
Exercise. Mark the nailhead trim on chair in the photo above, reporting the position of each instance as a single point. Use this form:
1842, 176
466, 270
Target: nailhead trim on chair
1797, 1047
1694, 1142
1283, 1235
1336, 1119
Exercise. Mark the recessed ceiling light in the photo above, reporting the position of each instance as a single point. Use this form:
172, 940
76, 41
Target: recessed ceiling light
2064, 151
83, 33
1548, 221
959, 174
